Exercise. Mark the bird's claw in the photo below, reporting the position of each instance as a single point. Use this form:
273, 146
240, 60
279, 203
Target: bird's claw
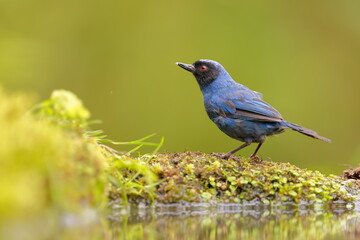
255, 158
225, 156
218, 155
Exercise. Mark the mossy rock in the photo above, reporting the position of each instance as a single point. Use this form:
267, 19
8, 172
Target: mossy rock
200, 177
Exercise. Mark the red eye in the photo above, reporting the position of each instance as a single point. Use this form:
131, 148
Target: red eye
203, 68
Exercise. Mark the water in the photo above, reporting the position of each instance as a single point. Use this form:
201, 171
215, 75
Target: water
251, 220
237, 221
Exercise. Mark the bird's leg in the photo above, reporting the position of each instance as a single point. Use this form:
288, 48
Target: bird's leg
253, 156
228, 155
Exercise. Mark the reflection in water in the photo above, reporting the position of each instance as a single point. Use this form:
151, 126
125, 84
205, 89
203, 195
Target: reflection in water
176, 222
237, 222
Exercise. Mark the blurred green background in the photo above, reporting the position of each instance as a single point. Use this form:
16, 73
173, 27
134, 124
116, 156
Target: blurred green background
118, 56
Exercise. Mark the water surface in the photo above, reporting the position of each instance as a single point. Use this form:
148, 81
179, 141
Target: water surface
237, 221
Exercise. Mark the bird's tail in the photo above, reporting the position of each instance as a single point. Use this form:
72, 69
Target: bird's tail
305, 131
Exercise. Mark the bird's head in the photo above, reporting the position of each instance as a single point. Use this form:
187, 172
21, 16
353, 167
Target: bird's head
205, 71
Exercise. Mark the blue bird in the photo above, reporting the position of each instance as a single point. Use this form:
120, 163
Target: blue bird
238, 111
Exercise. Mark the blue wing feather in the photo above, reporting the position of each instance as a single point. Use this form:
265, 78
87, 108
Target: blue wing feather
248, 106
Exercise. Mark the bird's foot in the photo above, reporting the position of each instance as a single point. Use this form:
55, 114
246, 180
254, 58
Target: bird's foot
235, 158
255, 158
225, 156
219, 155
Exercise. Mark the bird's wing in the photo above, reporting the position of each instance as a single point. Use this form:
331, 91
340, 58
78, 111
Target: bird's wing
249, 108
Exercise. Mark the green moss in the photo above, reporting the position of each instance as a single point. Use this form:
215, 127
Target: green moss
64, 108
130, 179
44, 166
230, 180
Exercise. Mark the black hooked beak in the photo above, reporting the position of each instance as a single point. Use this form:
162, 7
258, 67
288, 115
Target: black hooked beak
187, 67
